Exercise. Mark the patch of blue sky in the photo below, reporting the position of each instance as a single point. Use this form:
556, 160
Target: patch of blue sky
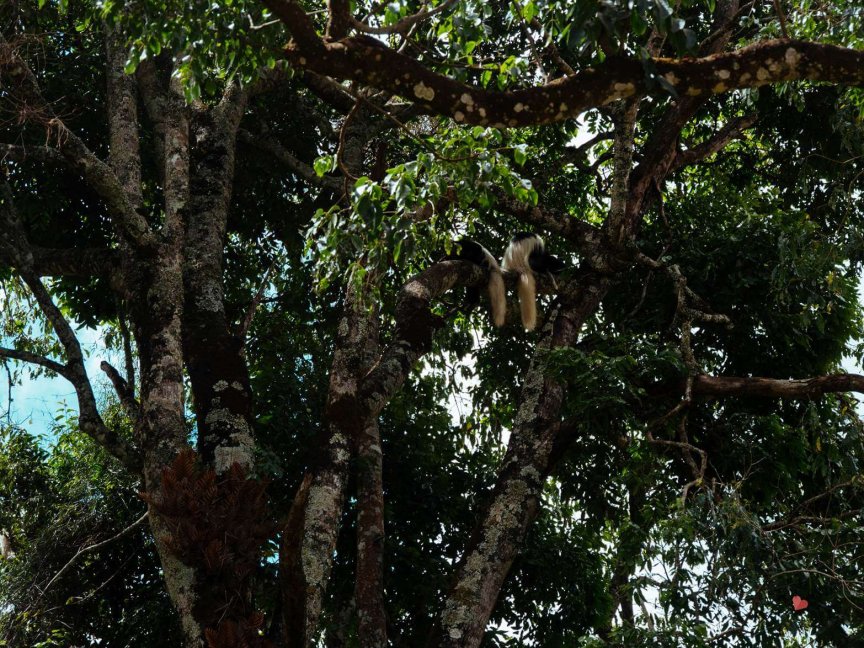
38, 403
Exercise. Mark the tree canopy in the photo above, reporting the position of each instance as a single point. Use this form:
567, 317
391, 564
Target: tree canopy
308, 433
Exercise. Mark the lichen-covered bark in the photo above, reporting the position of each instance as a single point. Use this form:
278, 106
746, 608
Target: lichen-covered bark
309, 538
217, 370
369, 587
515, 500
169, 117
415, 326
124, 156
362, 380
625, 126
369, 61
156, 308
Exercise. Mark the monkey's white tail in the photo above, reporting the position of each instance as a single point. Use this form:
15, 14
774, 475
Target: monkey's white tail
497, 296
527, 290
497, 292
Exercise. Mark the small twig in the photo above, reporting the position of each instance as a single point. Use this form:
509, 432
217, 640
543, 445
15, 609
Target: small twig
253, 306
402, 25
779, 525
679, 281
255, 27
78, 600
731, 631
683, 443
340, 149
553, 52
782, 16
94, 547
128, 358
34, 358
532, 43
123, 389
642, 297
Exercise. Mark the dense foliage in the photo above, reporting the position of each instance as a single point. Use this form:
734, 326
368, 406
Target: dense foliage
634, 544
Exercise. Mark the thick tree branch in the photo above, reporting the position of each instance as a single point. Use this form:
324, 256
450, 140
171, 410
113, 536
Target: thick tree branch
369, 579
67, 262
661, 148
536, 440
301, 27
88, 412
731, 131
15, 246
124, 391
99, 175
415, 326
126, 338
35, 358
220, 382
124, 151
166, 108
368, 61
340, 19
724, 386
625, 133
21, 153
310, 535
285, 157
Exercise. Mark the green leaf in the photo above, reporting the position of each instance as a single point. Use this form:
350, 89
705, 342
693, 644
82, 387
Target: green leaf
519, 154
323, 165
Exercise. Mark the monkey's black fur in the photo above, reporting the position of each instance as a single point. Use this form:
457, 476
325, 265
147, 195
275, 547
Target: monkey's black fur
527, 255
539, 259
472, 251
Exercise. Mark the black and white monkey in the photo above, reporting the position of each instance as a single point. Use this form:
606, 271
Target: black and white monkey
469, 250
526, 255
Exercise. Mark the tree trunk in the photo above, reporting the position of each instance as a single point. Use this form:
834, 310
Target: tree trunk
309, 537
515, 500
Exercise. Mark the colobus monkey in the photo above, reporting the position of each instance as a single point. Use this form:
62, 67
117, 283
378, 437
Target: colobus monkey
526, 255
469, 250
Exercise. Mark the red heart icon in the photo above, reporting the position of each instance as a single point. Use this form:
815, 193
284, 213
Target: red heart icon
799, 604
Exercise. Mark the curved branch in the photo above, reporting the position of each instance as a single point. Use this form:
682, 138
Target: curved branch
124, 391
415, 326
402, 25
94, 547
285, 157
723, 386
35, 358
88, 412
75, 153
731, 131
15, 246
368, 61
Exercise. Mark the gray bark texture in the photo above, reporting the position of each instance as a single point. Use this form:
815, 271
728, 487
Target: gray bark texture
166, 273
